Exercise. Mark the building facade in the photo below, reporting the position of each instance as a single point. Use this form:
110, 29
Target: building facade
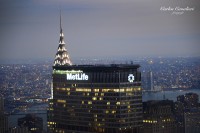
95, 99
159, 117
32, 122
192, 121
190, 100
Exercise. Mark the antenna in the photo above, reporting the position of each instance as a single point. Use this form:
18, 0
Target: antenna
60, 21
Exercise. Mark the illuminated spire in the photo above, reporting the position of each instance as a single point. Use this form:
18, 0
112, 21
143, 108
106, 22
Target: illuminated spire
62, 56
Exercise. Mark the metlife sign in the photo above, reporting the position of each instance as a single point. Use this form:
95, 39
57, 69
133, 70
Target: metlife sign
77, 76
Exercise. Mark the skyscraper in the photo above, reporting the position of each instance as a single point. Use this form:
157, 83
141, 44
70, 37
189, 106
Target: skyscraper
62, 56
95, 98
148, 81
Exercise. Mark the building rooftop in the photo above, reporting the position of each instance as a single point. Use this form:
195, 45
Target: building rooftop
98, 67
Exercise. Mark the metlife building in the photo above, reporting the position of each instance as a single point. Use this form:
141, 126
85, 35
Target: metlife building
96, 99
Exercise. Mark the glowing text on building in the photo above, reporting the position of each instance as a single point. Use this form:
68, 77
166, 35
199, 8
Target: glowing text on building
77, 76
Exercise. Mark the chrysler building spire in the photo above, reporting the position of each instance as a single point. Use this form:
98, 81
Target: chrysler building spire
62, 56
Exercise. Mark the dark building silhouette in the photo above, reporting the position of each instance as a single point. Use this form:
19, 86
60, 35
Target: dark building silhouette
179, 111
192, 121
94, 98
19, 130
34, 123
190, 100
3, 117
187, 112
158, 117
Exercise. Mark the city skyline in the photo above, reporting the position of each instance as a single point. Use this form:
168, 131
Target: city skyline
30, 29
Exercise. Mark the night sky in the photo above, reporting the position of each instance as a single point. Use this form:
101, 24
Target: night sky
29, 29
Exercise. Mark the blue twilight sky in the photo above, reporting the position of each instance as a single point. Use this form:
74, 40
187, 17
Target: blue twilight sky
29, 29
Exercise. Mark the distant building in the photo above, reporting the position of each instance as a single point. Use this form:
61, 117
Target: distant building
34, 124
158, 117
190, 100
157, 88
192, 121
148, 81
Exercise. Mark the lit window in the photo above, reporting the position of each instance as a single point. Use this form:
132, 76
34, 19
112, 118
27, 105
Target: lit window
96, 90
83, 90
114, 111
62, 89
106, 90
94, 98
73, 85
33, 129
117, 103
61, 101
116, 90
121, 90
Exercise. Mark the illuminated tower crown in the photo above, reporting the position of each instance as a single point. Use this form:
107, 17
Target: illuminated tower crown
62, 56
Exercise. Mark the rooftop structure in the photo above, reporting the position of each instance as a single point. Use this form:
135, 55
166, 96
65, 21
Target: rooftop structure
62, 56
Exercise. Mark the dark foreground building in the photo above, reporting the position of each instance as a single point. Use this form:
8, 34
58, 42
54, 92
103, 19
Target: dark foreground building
3, 117
34, 123
96, 99
159, 117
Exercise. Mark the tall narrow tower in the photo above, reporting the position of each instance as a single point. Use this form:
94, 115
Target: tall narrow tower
62, 56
